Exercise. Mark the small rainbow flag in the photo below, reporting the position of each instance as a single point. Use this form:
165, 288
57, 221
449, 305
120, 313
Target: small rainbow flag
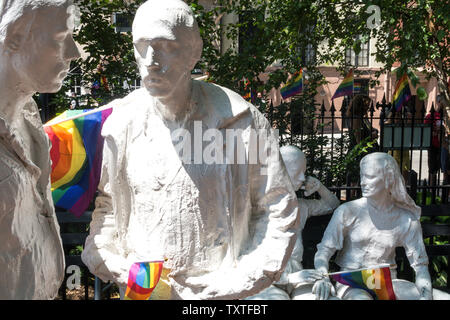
346, 87
375, 280
248, 91
142, 279
294, 87
76, 155
402, 93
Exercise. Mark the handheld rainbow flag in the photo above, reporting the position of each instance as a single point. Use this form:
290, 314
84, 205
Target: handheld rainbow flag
142, 279
346, 87
375, 280
294, 87
402, 93
76, 155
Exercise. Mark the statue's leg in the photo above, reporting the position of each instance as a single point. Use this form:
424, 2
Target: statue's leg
271, 293
406, 290
440, 295
304, 293
356, 294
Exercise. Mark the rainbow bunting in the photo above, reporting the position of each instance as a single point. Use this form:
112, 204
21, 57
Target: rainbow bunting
346, 86
402, 93
76, 155
294, 87
376, 281
142, 279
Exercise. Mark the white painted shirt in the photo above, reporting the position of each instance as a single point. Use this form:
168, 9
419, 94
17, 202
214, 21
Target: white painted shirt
365, 237
31, 253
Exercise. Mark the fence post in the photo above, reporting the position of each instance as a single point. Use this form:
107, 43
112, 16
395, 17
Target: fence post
412, 177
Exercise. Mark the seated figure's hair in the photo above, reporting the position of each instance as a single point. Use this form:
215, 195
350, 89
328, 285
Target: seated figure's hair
397, 186
12, 11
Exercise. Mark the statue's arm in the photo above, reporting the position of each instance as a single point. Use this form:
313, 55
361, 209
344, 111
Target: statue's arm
100, 254
327, 202
418, 259
332, 240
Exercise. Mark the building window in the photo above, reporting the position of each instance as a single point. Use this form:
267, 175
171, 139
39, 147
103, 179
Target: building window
122, 22
361, 59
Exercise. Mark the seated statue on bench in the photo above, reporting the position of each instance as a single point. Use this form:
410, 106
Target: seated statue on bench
366, 231
296, 283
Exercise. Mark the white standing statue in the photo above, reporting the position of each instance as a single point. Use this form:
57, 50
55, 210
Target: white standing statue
34, 56
296, 283
226, 229
366, 231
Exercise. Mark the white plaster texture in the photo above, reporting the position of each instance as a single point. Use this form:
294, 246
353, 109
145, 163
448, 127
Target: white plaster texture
226, 230
34, 56
296, 282
366, 231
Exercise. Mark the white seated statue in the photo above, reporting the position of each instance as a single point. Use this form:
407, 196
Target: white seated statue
366, 232
296, 283
35, 57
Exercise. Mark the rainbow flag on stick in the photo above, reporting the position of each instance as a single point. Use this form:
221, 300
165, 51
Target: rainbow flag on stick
346, 86
142, 279
76, 155
294, 87
375, 280
402, 93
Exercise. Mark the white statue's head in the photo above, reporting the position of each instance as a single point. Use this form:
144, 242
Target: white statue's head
36, 41
167, 44
295, 162
380, 173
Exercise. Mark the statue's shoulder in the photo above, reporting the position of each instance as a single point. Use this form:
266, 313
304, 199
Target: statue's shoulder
351, 209
230, 104
124, 111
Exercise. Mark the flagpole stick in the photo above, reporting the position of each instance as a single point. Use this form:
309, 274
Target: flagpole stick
391, 266
78, 115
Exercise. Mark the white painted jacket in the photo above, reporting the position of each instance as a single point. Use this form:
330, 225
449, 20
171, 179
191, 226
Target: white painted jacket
226, 230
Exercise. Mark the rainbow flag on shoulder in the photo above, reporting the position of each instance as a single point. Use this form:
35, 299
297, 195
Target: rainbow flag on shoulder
293, 87
346, 86
375, 280
142, 279
402, 93
76, 155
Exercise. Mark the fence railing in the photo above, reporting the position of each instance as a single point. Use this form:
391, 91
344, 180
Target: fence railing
335, 140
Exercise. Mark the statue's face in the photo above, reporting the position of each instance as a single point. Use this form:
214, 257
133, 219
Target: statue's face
372, 179
163, 55
43, 61
296, 171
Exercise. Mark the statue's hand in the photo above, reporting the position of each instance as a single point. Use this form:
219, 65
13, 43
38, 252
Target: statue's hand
311, 185
323, 288
304, 276
119, 268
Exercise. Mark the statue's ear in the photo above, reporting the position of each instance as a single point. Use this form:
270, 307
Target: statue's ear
17, 33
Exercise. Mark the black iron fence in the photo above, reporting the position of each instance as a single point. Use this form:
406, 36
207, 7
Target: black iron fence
335, 140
